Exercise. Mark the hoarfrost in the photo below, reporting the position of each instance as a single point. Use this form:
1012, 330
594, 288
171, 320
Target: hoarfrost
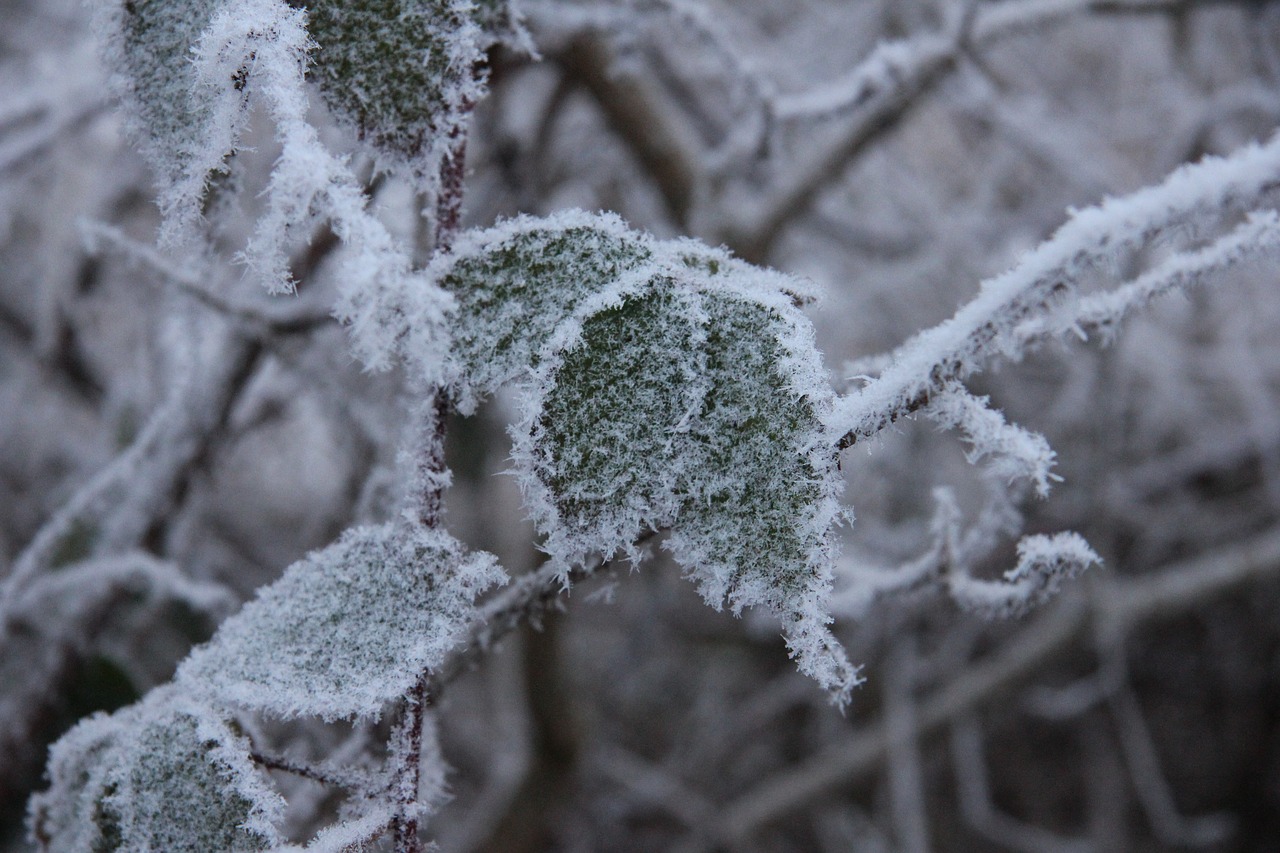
400, 72
149, 44
516, 282
164, 776
347, 629
667, 385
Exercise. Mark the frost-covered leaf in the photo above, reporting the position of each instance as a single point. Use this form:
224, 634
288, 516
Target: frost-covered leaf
152, 42
186, 121
517, 282
401, 71
672, 386
611, 438
761, 498
348, 628
99, 629
163, 776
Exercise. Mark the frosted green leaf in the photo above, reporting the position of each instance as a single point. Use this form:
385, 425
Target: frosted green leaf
72, 815
668, 385
186, 69
400, 71
517, 282
612, 434
149, 45
759, 504
154, 52
694, 403
348, 628
163, 776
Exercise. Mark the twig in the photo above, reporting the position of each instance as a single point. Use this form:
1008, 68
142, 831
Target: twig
1150, 784
656, 136
506, 611
432, 477
272, 762
906, 777
974, 788
881, 100
988, 326
265, 319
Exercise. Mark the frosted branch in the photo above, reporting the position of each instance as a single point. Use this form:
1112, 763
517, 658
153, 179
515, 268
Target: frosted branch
1258, 237
883, 88
115, 508
265, 319
1151, 786
985, 329
1012, 453
974, 788
1044, 562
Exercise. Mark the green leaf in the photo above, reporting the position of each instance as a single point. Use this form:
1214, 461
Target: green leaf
695, 404
347, 629
154, 54
164, 775
667, 385
400, 71
612, 435
517, 282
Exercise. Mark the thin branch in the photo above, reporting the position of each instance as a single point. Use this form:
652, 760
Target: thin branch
1149, 781
974, 788
987, 327
514, 605
267, 319
1101, 313
906, 776
885, 88
655, 785
430, 480
655, 135
306, 771
124, 500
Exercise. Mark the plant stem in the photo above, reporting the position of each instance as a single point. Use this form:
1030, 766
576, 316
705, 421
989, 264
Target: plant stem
432, 477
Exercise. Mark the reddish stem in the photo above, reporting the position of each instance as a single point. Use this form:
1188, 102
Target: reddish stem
431, 462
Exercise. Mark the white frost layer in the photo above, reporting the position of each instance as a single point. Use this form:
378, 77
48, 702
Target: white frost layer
347, 629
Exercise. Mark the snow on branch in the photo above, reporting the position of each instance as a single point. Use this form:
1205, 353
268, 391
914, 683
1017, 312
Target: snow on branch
112, 511
893, 67
956, 550
1044, 562
1102, 313
1014, 453
262, 318
1195, 196
890, 69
